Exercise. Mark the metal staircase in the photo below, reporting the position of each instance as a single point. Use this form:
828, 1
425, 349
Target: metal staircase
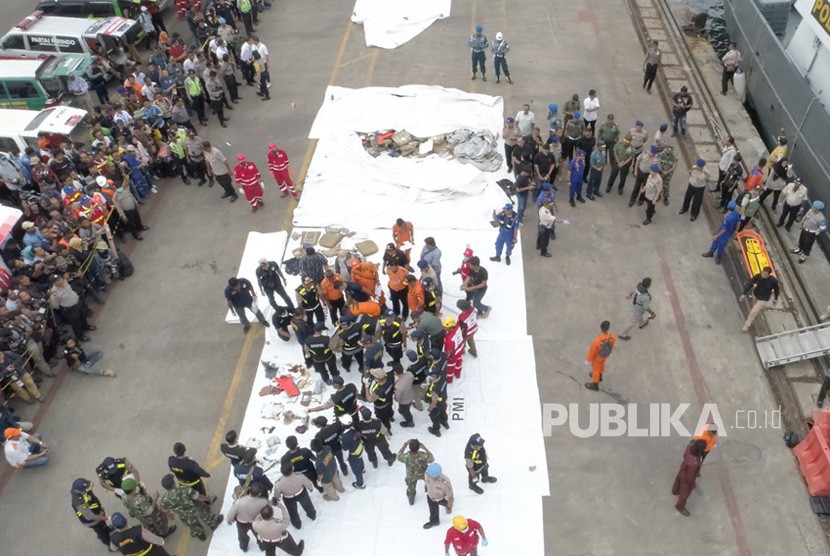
794, 345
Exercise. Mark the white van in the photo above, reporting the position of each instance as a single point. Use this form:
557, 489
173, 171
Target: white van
22, 128
38, 35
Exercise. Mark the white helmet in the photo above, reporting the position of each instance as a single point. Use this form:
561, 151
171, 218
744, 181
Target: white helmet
345, 420
499, 36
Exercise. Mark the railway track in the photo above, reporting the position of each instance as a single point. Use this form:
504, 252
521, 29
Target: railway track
654, 20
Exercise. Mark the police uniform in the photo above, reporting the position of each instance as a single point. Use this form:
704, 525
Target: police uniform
87, 505
271, 283
330, 436
373, 356
384, 393
310, 302
130, 542
112, 472
351, 348
431, 301
241, 470
437, 394
370, 431
188, 473
392, 333
475, 457
353, 446
345, 401
322, 358
302, 462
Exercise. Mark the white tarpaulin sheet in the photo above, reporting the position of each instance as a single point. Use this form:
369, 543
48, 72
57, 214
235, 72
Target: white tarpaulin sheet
497, 395
346, 186
391, 23
508, 420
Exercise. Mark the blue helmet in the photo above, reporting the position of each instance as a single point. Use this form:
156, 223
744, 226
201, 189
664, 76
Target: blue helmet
434, 470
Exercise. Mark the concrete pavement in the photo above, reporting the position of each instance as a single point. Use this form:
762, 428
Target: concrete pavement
163, 331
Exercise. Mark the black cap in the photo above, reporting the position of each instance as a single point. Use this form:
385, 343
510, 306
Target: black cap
318, 326
476, 439
338, 380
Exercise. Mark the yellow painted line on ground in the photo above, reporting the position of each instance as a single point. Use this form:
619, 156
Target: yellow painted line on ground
359, 58
371, 72
214, 457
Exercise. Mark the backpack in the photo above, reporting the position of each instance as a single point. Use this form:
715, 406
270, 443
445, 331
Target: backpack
605, 348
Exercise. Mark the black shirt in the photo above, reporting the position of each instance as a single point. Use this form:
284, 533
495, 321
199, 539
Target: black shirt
373, 356
130, 541
350, 338
308, 296
243, 297
384, 392
240, 471
544, 162
302, 460
186, 470
397, 257
330, 435
479, 277
233, 453
69, 352
370, 431
345, 400
478, 456
764, 287
318, 347
268, 277
302, 330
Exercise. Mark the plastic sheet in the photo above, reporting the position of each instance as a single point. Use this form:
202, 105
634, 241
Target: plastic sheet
389, 24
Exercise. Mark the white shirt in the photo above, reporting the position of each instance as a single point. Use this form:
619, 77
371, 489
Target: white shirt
246, 52
726, 159
221, 52
525, 122
78, 86
590, 109
263, 52
794, 197
18, 451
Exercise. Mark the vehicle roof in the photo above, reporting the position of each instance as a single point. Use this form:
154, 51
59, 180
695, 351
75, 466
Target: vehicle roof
19, 68
51, 66
50, 24
16, 120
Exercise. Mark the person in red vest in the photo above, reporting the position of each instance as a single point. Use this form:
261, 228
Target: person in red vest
247, 175
453, 347
464, 536
464, 269
468, 321
280, 169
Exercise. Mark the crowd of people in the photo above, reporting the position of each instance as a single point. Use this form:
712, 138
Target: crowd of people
79, 197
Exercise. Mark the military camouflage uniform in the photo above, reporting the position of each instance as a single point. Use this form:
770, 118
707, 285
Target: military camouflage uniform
142, 507
180, 500
416, 466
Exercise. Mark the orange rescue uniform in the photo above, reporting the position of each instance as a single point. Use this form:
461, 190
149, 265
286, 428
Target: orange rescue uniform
329, 291
397, 278
366, 274
415, 297
711, 439
597, 362
403, 234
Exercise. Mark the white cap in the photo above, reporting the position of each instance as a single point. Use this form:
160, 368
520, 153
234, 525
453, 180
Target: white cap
143, 8
499, 36
27, 225
263, 260
101, 181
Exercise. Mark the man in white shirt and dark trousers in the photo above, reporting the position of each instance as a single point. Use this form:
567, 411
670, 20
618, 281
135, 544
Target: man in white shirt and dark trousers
244, 511
794, 194
546, 222
590, 109
500, 48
